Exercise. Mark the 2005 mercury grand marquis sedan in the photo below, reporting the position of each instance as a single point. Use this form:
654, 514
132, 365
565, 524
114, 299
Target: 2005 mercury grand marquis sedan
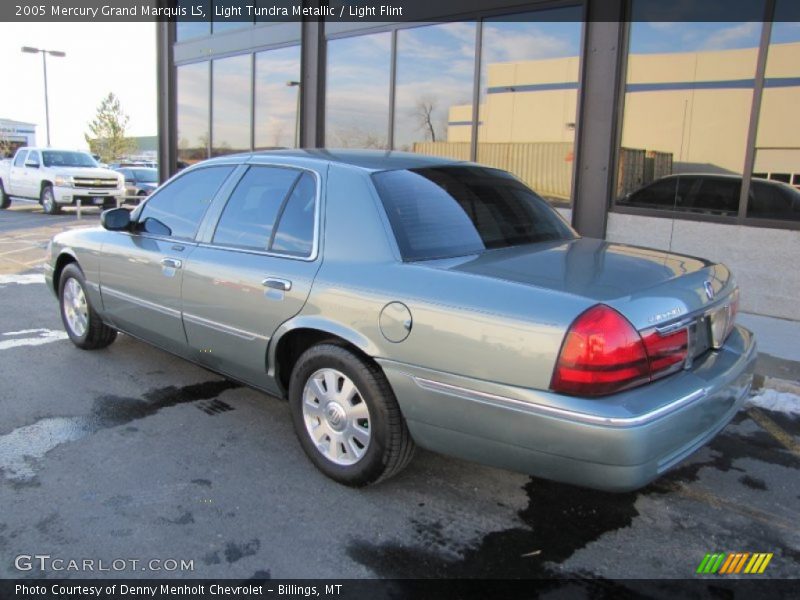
399, 300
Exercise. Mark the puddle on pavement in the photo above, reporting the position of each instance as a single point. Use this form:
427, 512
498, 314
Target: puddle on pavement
558, 520
24, 447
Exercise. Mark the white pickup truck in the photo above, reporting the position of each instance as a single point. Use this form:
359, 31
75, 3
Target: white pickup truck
58, 178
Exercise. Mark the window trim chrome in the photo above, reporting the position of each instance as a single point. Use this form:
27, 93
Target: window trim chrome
552, 411
252, 161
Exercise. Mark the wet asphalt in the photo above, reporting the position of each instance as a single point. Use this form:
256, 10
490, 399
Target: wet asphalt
129, 453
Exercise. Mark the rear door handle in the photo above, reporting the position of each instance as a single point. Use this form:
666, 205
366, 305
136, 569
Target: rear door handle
276, 283
173, 263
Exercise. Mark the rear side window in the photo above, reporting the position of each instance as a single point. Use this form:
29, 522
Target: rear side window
177, 209
295, 232
772, 201
717, 195
253, 208
660, 194
20, 159
449, 211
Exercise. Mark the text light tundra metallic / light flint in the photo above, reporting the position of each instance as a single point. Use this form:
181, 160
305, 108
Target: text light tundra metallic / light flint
397, 299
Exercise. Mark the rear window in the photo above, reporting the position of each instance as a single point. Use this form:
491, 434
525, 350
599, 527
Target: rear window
447, 211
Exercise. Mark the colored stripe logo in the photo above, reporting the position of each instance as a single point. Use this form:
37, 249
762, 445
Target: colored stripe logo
729, 563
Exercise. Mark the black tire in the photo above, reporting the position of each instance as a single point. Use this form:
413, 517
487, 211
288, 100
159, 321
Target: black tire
5, 199
96, 334
390, 446
48, 201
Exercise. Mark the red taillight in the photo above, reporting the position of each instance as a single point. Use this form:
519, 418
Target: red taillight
601, 354
666, 352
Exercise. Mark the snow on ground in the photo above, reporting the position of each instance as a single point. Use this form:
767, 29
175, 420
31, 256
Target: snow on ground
769, 399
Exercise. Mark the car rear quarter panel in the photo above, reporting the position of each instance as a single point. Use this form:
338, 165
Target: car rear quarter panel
462, 323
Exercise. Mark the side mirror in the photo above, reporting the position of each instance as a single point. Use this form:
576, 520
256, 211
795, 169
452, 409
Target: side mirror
32, 165
116, 219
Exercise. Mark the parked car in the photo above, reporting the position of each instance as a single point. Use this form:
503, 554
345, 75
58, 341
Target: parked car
139, 181
719, 195
58, 178
399, 300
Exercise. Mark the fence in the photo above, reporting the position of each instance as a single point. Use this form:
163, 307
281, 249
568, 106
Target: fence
544, 166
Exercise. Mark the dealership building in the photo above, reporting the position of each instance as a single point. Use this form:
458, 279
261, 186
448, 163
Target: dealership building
680, 136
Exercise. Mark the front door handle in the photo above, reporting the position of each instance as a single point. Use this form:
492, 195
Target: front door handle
173, 263
276, 283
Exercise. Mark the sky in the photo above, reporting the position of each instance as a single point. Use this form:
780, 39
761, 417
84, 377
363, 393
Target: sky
101, 58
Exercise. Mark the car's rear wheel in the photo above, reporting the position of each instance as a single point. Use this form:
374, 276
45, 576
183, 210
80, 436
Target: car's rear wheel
48, 201
83, 325
5, 199
346, 416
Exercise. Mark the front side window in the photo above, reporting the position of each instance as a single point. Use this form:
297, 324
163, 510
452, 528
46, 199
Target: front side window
177, 209
253, 208
33, 157
450, 211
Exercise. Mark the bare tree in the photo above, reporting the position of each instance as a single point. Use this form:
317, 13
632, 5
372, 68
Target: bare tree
423, 111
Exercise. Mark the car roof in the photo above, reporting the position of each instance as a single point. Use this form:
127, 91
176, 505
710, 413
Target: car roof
371, 160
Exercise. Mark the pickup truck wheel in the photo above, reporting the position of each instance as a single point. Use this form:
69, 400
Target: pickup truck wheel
83, 325
48, 201
5, 199
346, 417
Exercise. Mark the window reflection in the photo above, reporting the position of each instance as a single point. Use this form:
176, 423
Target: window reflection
230, 129
528, 99
777, 156
357, 98
688, 97
435, 72
277, 98
185, 30
193, 112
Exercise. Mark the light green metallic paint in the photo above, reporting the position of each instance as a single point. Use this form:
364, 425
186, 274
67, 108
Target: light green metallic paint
491, 325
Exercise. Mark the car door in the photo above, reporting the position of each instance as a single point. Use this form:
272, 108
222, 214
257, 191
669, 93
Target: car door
252, 270
16, 176
32, 178
141, 271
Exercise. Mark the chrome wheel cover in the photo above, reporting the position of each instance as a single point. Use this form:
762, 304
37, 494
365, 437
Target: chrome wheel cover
76, 310
336, 417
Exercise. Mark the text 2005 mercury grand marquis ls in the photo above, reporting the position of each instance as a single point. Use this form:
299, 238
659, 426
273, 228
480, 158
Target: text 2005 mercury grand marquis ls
399, 300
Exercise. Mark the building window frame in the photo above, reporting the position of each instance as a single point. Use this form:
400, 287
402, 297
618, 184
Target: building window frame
748, 163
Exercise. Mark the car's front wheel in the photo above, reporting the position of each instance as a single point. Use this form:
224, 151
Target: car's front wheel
83, 325
48, 200
346, 416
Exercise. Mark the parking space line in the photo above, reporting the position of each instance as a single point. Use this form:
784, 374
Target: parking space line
715, 501
26, 248
771, 427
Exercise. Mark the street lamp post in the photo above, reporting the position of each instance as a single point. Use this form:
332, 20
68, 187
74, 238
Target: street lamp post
297, 113
44, 53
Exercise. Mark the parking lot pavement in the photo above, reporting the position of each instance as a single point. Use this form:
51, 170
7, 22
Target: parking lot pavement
128, 453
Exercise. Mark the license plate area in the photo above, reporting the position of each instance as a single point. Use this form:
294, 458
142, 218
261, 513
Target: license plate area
702, 336
98, 200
